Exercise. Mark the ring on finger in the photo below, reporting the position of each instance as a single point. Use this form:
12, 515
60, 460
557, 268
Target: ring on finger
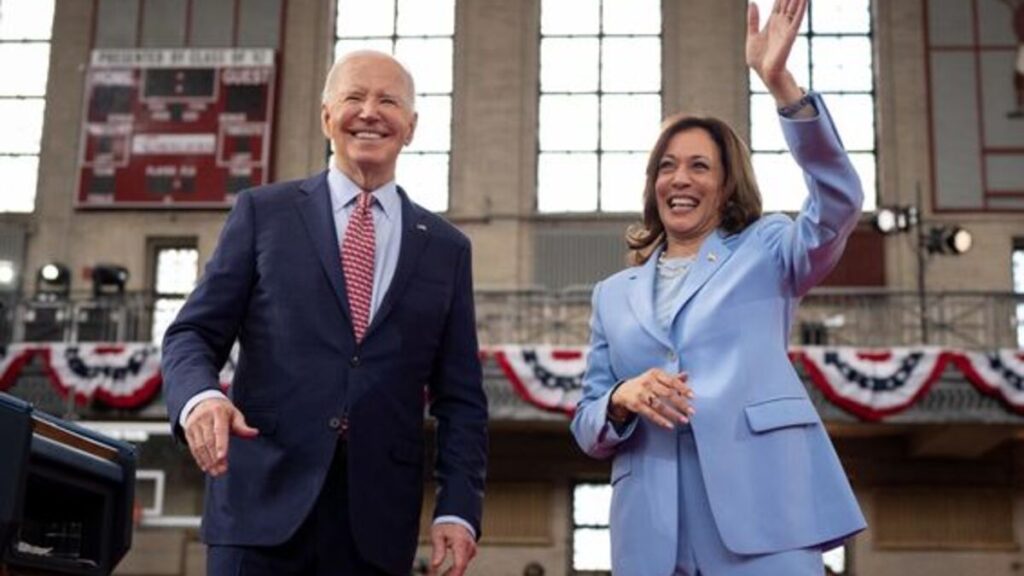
652, 400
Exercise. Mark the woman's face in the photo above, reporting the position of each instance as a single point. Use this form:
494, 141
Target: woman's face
689, 186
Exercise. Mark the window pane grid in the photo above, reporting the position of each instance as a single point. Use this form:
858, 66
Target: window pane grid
615, 93
421, 35
591, 538
176, 271
26, 20
25, 30
834, 58
597, 56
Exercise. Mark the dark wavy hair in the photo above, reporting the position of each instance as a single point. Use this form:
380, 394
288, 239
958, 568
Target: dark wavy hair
742, 201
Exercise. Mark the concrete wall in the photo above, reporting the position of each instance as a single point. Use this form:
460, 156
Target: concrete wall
494, 142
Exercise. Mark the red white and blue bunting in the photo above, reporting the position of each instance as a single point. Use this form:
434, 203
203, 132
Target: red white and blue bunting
120, 375
999, 373
868, 383
117, 375
547, 377
871, 384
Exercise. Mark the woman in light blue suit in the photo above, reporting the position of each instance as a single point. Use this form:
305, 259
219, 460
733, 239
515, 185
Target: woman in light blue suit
721, 464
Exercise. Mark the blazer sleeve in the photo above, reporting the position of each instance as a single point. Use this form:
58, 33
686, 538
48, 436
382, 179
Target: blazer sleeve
458, 403
197, 343
809, 247
595, 434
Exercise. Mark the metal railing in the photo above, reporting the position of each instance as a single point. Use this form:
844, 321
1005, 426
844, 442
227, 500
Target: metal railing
848, 317
845, 317
79, 318
972, 320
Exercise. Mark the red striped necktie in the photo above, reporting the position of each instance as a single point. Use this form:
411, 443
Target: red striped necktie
357, 253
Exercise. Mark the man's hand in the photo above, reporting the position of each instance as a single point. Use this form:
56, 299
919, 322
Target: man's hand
446, 535
207, 429
660, 397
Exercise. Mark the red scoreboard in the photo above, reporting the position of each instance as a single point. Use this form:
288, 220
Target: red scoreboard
180, 128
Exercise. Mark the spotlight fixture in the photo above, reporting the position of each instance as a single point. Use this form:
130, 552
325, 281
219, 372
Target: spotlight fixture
109, 279
52, 281
885, 220
948, 240
52, 272
932, 238
895, 219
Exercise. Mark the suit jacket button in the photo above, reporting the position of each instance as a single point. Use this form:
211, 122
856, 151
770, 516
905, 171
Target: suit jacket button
354, 361
334, 423
671, 356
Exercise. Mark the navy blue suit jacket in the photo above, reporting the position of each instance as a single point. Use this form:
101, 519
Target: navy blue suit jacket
275, 282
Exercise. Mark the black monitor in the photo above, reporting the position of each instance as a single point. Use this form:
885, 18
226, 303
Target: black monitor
66, 495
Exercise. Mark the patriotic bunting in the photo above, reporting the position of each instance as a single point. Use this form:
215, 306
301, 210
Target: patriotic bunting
999, 373
120, 375
873, 384
870, 384
12, 360
549, 378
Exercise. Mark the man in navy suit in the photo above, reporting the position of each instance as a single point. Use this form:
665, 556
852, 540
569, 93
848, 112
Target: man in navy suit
353, 308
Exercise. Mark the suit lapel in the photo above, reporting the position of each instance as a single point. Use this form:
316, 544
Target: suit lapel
641, 298
314, 206
712, 255
415, 236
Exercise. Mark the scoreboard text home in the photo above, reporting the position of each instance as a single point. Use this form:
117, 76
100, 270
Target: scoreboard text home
175, 128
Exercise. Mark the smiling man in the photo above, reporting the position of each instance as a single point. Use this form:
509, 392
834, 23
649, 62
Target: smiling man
349, 302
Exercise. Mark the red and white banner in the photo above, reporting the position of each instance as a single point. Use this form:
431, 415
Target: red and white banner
12, 360
869, 383
873, 383
120, 375
999, 373
547, 377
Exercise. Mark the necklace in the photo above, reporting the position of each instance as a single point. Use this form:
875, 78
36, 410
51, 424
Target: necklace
674, 267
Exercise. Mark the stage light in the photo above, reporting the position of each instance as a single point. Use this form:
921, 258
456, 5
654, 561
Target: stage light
55, 274
51, 272
948, 240
895, 219
53, 280
109, 279
885, 220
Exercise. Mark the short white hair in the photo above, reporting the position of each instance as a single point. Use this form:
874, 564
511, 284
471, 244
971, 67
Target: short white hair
332, 74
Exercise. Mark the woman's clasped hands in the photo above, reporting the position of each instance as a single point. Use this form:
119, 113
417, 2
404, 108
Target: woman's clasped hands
659, 396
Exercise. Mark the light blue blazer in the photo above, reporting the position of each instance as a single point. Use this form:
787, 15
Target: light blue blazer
773, 479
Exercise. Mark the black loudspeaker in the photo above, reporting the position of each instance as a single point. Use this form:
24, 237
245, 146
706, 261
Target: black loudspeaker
66, 495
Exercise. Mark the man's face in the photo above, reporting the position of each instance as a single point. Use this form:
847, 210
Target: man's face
369, 117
